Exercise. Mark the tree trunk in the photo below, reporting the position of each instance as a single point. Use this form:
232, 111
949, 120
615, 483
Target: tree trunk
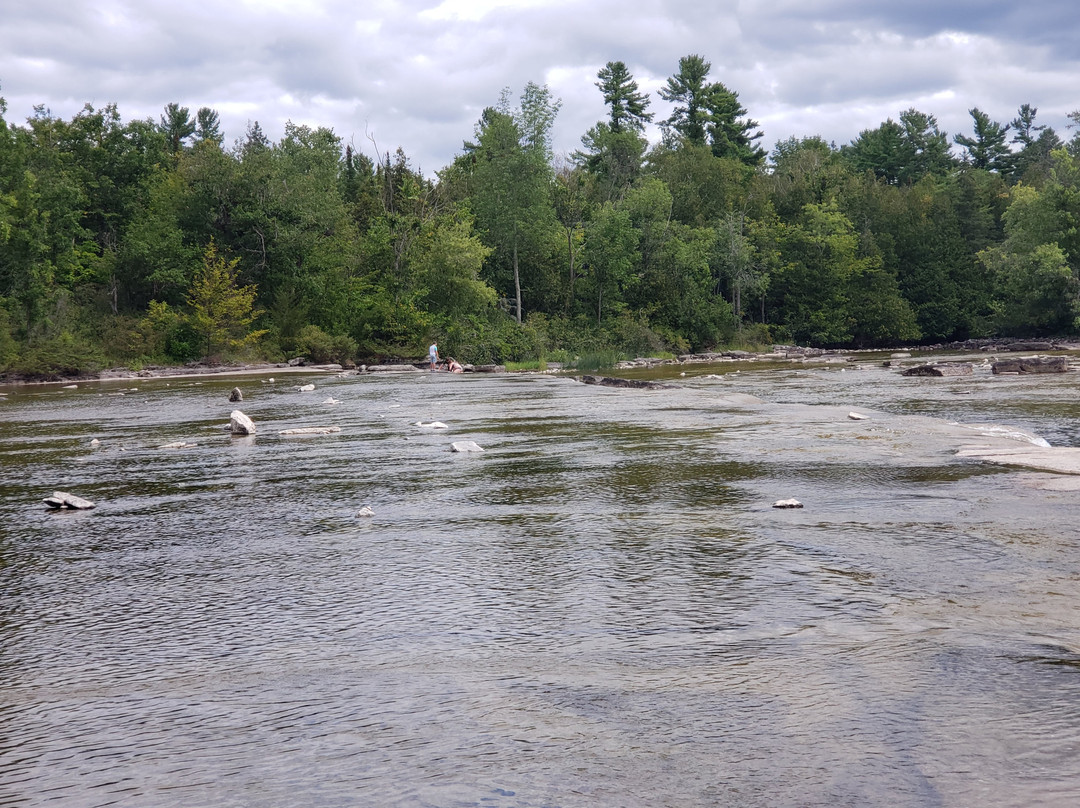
573, 276
517, 279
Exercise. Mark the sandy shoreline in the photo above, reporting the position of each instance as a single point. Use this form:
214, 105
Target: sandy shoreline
184, 372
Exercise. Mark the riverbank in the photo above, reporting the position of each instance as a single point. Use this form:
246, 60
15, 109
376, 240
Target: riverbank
777, 353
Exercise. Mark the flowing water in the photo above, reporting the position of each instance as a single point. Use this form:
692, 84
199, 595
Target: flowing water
601, 609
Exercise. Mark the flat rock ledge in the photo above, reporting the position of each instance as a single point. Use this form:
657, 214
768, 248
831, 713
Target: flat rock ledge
1031, 364
1058, 459
61, 500
635, 384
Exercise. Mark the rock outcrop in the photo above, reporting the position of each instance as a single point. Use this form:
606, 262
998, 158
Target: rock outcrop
636, 384
940, 369
1031, 364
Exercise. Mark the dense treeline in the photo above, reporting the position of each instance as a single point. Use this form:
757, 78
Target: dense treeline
143, 241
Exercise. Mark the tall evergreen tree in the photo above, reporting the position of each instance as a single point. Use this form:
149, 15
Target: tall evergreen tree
709, 113
987, 149
178, 125
628, 106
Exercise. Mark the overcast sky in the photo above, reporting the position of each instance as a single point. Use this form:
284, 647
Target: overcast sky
418, 73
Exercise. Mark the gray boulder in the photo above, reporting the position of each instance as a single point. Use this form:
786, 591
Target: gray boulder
236, 395
240, 424
61, 500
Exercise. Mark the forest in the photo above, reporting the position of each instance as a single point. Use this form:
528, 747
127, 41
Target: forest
131, 243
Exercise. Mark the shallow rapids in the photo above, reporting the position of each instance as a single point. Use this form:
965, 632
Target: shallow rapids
601, 608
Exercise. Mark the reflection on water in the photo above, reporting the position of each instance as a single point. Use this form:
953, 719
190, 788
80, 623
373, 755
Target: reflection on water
601, 609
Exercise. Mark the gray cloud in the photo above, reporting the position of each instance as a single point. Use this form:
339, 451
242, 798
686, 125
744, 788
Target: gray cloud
417, 73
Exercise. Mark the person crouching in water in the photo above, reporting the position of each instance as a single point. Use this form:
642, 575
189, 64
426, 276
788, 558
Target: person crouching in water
453, 366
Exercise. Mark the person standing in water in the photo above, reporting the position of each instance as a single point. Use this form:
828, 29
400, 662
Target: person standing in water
433, 354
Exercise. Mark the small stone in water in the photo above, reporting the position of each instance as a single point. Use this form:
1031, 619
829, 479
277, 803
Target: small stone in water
465, 446
857, 416
787, 503
365, 511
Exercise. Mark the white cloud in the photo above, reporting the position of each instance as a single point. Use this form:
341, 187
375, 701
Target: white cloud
417, 73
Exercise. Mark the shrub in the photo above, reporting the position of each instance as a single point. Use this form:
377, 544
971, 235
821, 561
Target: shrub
59, 357
320, 347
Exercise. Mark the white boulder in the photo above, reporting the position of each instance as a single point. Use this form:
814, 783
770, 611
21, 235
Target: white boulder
240, 424
465, 446
787, 503
60, 499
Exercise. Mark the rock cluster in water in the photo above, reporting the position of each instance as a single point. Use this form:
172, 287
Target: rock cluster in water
940, 369
637, 384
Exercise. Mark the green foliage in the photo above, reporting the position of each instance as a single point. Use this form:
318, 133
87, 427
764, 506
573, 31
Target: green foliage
320, 347
9, 348
708, 113
221, 310
511, 256
599, 360
58, 357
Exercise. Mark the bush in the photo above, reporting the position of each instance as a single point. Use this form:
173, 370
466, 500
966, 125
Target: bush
57, 358
9, 349
320, 347
600, 360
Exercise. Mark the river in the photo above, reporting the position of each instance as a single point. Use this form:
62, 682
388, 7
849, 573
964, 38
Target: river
600, 609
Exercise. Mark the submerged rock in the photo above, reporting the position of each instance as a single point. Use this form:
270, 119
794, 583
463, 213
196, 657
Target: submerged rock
240, 424
311, 430
63, 500
940, 369
177, 444
1031, 364
636, 384
305, 388
431, 425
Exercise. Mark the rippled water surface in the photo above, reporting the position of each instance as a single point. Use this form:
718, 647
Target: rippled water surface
601, 609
